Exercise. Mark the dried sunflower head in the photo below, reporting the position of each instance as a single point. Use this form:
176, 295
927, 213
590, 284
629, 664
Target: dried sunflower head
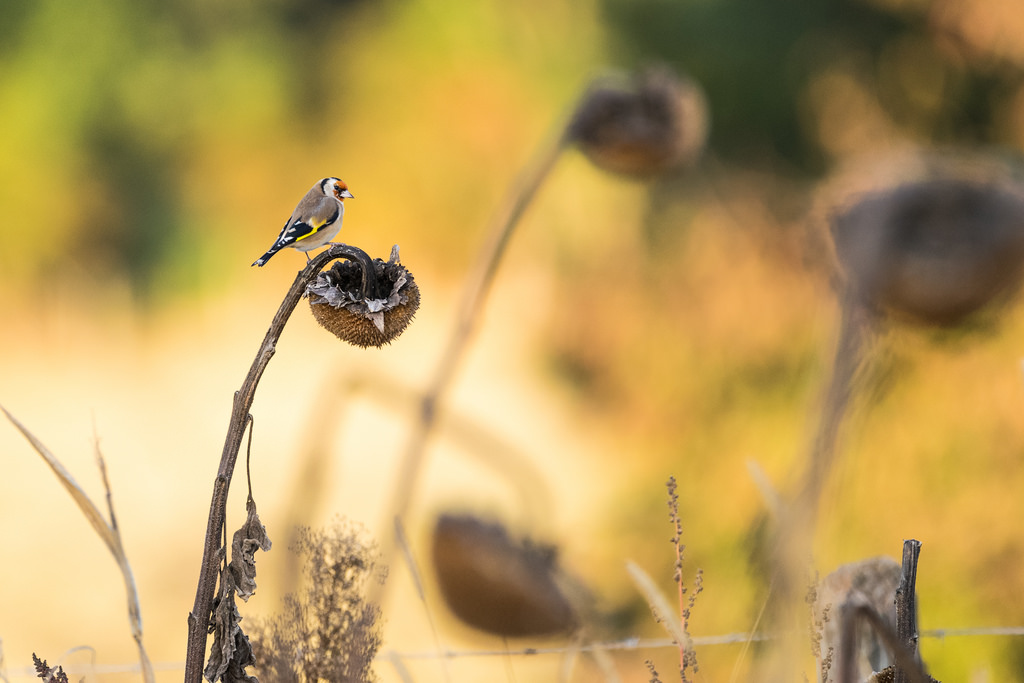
492, 582
362, 316
935, 250
648, 125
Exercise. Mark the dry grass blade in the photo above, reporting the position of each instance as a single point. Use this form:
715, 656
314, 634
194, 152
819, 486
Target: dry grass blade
604, 662
88, 508
572, 653
134, 610
107, 532
3, 669
659, 604
400, 668
734, 676
410, 560
769, 494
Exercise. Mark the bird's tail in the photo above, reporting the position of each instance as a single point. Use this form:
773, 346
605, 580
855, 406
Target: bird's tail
266, 257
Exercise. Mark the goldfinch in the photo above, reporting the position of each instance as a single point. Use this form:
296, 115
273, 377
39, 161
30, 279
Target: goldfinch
315, 220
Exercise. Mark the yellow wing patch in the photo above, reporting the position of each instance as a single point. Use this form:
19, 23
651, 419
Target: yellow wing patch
312, 228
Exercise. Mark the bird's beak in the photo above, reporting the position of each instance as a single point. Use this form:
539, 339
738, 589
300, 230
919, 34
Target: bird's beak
346, 193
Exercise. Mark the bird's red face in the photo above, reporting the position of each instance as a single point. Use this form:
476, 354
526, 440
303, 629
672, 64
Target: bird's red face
341, 191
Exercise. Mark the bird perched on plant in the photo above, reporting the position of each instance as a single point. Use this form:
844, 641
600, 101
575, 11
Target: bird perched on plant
315, 221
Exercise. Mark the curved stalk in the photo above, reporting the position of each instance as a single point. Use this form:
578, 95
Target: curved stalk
199, 617
473, 296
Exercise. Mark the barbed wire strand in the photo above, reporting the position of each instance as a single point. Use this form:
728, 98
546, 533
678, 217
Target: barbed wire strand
626, 644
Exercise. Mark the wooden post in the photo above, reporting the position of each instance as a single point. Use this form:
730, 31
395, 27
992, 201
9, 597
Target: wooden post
906, 605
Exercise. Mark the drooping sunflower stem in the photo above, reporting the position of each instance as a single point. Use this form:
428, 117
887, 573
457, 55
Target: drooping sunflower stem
793, 541
370, 288
199, 617
852, 351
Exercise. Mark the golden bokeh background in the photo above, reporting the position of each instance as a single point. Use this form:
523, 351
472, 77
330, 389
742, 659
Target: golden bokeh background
680, 326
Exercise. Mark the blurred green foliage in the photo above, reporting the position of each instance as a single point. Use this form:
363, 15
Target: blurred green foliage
119, 100
756, 59
107, 105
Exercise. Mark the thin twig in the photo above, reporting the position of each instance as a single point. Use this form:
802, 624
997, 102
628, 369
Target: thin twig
400, 668
606, 665
199, 617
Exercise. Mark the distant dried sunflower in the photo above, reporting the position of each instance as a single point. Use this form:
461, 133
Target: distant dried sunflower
498, 584
365, 316
652, 123
935, 250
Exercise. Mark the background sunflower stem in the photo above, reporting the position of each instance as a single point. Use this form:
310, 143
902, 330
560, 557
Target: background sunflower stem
473, 297
797, 523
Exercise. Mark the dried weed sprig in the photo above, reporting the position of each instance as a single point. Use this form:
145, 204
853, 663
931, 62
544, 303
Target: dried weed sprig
819, 621
48, 674
108, 532
687, 655
678, 628
328, 632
